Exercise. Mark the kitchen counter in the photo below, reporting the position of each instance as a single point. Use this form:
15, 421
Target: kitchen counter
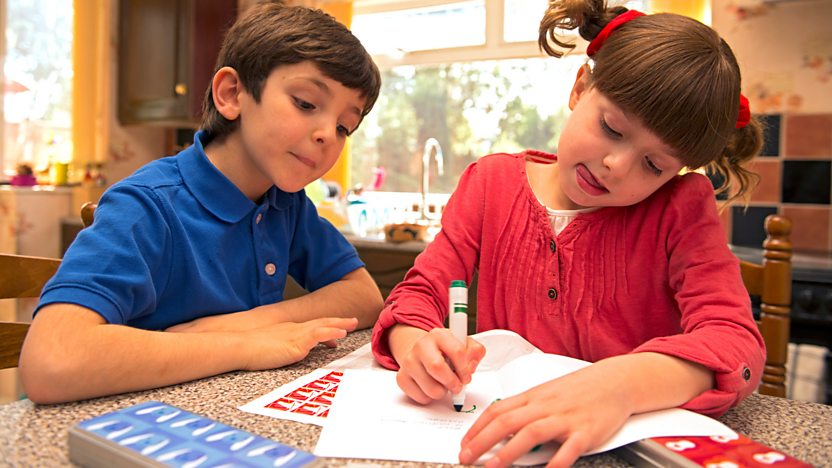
35, 435
415, 247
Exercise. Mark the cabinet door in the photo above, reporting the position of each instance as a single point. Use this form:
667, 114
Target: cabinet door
167, 50
151, 65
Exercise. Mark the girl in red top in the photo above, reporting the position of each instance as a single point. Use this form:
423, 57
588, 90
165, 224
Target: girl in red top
601, 252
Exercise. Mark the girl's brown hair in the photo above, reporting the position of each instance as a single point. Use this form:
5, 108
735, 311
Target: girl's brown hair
676, 75
271, 34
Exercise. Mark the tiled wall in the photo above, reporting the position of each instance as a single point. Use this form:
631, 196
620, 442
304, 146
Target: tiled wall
785, 52
795, 171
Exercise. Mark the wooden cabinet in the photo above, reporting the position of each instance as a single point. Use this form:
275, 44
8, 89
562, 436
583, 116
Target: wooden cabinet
166, 57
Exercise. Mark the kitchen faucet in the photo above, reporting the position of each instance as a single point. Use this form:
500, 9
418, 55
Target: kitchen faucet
430, 144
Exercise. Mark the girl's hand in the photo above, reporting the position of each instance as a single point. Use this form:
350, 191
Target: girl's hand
580, 410
437, 362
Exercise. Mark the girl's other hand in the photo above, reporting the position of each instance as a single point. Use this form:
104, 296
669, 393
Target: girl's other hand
436, 363
580, 410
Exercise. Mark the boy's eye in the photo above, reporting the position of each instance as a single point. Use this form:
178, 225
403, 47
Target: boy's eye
652, 166
303, 104
609, 130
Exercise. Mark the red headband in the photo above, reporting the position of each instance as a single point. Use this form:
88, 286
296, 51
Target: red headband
616, 23
595, 45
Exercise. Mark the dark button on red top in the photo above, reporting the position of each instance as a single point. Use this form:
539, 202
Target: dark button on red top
552, 245
553, 293
746, 374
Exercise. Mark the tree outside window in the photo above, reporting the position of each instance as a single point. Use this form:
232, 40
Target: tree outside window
472, 109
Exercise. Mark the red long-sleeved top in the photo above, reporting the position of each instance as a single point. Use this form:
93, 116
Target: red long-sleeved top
653, 277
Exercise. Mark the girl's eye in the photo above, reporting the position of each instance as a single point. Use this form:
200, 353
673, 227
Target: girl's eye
343, 131
303, 104
653, 168
609, 130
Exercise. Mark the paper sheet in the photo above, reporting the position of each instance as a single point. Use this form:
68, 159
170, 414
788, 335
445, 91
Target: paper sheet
390, 423
366, 415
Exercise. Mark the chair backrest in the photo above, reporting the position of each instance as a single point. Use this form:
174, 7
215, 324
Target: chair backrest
771, 281
88, 213
20, 276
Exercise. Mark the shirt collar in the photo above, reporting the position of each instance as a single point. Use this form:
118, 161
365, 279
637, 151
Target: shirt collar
205, 182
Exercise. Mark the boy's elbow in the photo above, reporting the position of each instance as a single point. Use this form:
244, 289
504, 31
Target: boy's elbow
45, 381
41, 385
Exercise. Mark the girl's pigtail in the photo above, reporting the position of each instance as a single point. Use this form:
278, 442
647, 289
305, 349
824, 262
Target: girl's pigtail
588, 16
743, 145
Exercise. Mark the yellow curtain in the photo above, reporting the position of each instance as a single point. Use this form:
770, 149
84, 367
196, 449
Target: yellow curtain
91, 81
696, 9
340, 172
342, 11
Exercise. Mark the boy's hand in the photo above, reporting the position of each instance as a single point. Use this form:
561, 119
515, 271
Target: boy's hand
288, 342
580, 410
437, 362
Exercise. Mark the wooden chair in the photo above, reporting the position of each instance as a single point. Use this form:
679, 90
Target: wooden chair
88, 212
20, 276
771, 281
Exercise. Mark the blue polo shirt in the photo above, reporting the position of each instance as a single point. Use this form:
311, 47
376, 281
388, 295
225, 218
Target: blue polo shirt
177, 241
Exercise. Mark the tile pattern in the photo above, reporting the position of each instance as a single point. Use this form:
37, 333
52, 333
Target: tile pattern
795, 169
771, 130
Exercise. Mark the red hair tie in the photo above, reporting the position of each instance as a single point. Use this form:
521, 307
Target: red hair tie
745, 112
615, 23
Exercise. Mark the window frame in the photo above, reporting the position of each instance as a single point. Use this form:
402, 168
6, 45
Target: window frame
495, 47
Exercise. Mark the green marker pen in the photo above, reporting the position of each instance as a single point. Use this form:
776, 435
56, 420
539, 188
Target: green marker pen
458, 323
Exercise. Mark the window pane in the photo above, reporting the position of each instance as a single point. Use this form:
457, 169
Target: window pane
37, 77
522, 19
454, 24
472, 109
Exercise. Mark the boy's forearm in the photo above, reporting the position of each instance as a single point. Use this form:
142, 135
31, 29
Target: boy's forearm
653, 381
89, 359
354, 295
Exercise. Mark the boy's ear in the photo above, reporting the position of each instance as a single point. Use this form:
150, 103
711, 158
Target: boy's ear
581, 85
226, 88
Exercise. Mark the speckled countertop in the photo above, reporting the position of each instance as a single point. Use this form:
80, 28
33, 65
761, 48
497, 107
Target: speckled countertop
33, 435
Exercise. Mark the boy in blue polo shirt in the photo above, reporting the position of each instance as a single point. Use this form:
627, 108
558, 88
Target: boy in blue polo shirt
181, 275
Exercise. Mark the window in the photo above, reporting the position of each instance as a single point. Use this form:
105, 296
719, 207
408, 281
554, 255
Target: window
467, 73
36, 52
471, 108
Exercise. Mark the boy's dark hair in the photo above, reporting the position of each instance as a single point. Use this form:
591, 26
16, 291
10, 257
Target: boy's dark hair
269, 35
675, 74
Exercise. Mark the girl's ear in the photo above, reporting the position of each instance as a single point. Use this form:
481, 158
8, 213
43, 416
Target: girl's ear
581, 85
226, 88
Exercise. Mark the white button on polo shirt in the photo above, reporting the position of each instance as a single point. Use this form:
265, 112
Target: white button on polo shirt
270, 269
